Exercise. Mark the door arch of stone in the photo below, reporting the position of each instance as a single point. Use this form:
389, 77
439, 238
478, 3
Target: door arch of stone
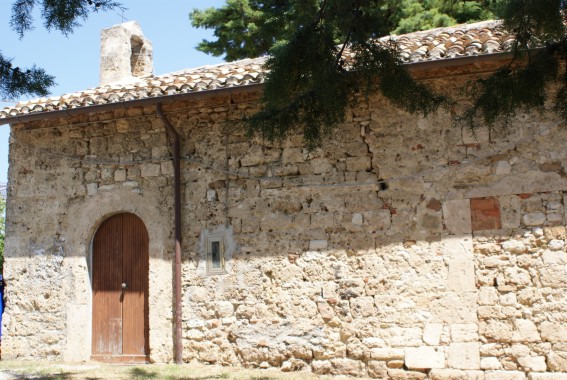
120, 266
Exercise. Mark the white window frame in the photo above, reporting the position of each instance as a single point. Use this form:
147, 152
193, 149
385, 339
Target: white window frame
209, 240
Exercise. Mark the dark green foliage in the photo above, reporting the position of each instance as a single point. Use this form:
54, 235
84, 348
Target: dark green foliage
523, 84
312, 82
61, 15
15, 82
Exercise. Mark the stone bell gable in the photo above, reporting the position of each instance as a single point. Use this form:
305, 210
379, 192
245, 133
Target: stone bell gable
402, 248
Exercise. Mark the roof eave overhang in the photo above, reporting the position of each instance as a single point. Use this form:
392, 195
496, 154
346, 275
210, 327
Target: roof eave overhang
165, 99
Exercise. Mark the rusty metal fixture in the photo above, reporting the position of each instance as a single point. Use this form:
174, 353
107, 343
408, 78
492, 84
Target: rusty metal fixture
173, 137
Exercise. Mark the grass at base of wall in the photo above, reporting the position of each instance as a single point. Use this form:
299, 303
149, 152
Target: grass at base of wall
43, 370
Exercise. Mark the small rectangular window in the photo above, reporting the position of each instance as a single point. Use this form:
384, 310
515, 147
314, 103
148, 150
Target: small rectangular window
215, 255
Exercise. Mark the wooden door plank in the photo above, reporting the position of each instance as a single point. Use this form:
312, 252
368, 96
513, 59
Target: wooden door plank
107, 273
135, 274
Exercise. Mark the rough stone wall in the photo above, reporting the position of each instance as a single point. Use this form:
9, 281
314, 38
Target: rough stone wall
457, 270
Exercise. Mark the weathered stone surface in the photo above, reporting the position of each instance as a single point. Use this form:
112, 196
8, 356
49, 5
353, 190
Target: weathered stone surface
464, 355
453, 374
457, 216
547, 376
424, 357
504, 375
323, 270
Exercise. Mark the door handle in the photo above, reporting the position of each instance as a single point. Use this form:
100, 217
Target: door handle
124, 286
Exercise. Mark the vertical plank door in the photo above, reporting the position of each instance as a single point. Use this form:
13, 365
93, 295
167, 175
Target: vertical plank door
120, 264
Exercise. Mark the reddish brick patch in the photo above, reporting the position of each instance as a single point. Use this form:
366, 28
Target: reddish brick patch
485, 214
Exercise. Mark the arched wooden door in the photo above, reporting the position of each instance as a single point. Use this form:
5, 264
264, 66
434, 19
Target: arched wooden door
120, 261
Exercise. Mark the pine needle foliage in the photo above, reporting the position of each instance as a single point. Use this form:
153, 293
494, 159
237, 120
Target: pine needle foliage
60, 15
325, 53
523, 84
317, 74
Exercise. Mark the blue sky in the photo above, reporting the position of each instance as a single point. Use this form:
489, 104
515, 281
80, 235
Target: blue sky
74, 60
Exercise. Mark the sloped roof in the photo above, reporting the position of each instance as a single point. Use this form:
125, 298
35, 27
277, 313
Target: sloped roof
464, 40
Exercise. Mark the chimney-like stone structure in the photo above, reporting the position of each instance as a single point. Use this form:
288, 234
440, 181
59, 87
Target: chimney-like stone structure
125, 54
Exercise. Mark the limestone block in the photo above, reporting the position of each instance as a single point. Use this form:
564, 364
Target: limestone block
275, 222
464, 355
490, 362
457, 216
556, 245
432, 333
378, 219
357, 219
224, 309
508, 299
534, 219
292, 155
464, 332
510, 211
77, 323
487, 295
325, 310
553, 276
317, 245
321, 367
461, 276
362, 307
92, 188
504, 375
377, 369
554, 257
120, 175
424, 357
502, 168
402, 374
514, 246
386, 354
149, 170
349, 367
454, 374
557, 361
547, 376
167, 168
358, 164
553, 332
533, 363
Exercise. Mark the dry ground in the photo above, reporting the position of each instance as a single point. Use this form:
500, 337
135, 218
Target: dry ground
20, 370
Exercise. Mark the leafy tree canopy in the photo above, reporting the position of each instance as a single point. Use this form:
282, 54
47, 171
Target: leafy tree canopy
61, 15
311, 82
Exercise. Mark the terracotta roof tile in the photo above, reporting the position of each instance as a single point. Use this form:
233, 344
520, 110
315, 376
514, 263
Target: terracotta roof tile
436, 44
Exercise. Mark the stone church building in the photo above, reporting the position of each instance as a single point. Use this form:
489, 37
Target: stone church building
142, 225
